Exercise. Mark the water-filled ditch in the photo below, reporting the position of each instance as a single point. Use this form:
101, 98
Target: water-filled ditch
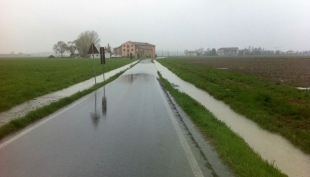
272, 147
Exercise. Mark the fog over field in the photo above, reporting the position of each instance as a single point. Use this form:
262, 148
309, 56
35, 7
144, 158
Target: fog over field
30, 26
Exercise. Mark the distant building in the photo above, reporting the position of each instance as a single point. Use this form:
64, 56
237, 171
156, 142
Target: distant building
143, 49
290, 52
191, 53
229, 51
97, 55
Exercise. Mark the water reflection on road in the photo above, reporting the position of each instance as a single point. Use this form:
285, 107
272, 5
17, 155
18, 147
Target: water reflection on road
104, 103
95, 115
270, 146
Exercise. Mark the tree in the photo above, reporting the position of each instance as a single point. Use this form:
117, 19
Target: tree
199, 51
185, 52
213, 52
71, 47
60, 47
84, 41
109, 49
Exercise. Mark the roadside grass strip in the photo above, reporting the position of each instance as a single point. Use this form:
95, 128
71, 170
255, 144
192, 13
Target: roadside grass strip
280, 109
44, 111
233, 150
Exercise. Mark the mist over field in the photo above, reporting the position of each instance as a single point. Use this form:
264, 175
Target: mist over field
32, 26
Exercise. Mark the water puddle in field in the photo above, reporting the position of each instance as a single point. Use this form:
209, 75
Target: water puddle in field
272, 147
23, 109
303, 88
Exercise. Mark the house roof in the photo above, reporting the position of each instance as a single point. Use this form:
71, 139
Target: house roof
141, 43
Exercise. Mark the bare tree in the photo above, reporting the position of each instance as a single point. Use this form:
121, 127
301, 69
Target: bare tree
84, 41
109, 49
60, 47
71, 47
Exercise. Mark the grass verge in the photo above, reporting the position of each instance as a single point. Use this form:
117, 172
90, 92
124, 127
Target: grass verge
44, 111
280, 109
232, 149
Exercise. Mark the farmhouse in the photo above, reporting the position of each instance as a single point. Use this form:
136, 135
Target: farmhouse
191, 53
228, 51
290, 52
143, 49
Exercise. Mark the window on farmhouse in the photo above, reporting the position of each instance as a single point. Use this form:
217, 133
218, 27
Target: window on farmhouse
131, 49
124, 50
127, 46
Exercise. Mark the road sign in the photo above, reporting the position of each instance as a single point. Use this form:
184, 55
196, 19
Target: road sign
102, 55
92, 49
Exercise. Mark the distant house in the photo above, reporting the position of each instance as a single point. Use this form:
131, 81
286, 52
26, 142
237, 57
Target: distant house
143, 49
191, 53
290, 52
228, 51
97, 55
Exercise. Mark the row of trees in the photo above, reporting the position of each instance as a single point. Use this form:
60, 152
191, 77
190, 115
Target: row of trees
81, 44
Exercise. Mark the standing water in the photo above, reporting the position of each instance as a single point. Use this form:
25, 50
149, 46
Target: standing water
271, 147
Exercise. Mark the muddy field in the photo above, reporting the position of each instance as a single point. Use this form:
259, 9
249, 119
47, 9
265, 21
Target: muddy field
290, 71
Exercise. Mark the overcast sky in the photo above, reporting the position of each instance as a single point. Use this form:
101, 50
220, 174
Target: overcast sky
36, 25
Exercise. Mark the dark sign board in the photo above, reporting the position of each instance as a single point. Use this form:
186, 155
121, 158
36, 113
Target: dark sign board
102, 55
130, 56
92, 49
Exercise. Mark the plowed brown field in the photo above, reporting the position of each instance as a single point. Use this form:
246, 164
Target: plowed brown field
290, 71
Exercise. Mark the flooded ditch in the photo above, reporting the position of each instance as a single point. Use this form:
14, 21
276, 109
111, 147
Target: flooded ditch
271, 147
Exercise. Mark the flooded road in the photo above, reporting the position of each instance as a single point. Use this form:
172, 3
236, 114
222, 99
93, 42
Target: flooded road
23, 109
272, 147
126, 128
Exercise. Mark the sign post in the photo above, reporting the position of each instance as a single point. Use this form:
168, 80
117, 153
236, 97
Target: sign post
92, 50
130, 59
102, 59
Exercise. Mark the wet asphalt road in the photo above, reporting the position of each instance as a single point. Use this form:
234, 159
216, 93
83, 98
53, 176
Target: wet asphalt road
122, 129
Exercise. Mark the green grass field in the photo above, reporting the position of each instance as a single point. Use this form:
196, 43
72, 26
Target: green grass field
233, 150
22, 79
277, 108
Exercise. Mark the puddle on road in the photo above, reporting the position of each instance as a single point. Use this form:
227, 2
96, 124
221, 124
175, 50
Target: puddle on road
272, 147
23, 109
130, 78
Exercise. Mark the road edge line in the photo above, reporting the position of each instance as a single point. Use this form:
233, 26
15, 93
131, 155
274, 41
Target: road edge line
189, 154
